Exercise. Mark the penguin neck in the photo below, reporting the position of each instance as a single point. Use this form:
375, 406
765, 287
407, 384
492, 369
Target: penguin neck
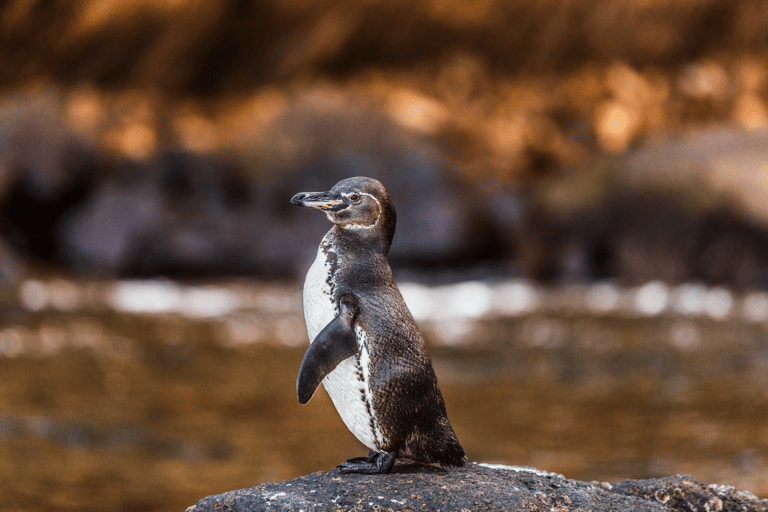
359, 241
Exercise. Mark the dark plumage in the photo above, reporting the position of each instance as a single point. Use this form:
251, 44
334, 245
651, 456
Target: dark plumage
365, 346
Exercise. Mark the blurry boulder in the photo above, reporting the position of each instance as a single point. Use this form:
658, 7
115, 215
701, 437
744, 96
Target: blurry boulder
44, 170
720, 162
636, 235
12, 267
221, 206
185, 214
179, 214
37, 145
323, 137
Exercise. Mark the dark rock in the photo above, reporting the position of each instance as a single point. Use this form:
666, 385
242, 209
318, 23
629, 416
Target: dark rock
439, 219
479, 487
187, 214
45, 169
12, 267
178, 214
636, 236
184, 214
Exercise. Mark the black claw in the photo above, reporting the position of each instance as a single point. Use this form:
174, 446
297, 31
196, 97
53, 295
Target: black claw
359, 460
375, 463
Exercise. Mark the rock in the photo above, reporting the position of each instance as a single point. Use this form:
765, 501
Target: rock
182, 213
724, 162
485, 487
177, 214
12, 267
636, 236
439, 218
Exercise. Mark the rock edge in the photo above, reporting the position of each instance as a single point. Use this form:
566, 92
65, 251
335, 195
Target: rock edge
479, 487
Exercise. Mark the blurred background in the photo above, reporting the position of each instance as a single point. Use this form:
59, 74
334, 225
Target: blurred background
581, 190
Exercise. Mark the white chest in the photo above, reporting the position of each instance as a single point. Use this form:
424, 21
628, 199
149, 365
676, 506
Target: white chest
319, 307
347, 385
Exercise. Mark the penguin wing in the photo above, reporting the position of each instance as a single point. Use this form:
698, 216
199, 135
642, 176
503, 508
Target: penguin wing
335, 343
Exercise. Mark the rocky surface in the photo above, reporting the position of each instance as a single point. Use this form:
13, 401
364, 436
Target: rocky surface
479, 487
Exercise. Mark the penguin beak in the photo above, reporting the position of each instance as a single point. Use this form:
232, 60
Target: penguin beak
320, 200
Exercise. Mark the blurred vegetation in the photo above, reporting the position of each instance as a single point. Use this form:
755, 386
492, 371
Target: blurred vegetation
206, 48
508, 89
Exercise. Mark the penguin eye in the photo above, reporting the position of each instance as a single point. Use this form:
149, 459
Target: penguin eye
354, 198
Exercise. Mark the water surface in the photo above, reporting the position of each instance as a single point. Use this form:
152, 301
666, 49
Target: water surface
112, 408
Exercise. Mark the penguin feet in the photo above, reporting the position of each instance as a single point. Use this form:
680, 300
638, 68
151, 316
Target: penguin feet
375, 463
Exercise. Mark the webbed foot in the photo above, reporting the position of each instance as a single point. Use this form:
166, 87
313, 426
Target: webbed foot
374, 463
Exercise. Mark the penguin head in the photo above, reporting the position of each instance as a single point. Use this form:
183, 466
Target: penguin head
357, 205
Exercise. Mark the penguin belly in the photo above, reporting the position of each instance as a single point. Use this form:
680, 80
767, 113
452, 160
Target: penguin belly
347, 384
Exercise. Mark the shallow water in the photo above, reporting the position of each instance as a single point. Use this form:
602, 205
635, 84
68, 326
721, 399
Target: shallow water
104, 407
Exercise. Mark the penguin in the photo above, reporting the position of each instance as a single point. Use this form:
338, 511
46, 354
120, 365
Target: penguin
364, 343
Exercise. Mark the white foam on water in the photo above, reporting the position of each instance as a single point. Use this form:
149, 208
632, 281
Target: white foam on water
154, 297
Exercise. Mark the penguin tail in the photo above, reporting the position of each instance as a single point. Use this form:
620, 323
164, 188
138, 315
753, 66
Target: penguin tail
452, 455
438, 445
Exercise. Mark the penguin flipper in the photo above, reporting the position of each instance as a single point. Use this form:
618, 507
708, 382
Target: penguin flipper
335, 343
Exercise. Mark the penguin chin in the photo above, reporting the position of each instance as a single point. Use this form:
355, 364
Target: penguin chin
349, 224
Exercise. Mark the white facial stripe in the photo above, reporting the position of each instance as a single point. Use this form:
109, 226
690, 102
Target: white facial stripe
364, 226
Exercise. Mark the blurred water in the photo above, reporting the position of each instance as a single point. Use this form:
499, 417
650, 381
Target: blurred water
150, 395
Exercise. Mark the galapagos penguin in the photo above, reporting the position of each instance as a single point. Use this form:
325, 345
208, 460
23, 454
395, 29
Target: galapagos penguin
364, 343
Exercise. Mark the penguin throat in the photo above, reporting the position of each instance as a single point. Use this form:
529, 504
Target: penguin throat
362, 239
360, 226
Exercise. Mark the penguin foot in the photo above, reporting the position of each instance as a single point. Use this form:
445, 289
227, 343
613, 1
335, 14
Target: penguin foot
370, 459
375, 463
